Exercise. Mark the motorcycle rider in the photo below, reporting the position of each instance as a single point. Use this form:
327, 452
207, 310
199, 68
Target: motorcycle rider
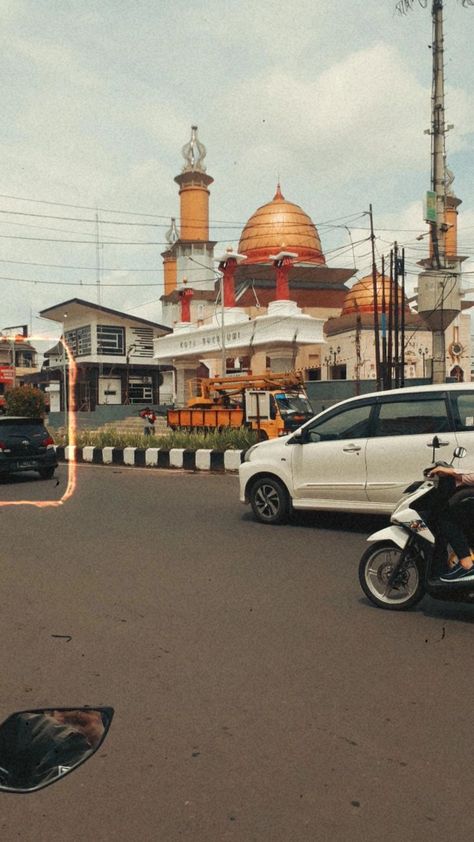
450, 528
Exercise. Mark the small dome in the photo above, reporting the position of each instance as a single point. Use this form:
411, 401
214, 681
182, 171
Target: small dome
360, 298
280, 225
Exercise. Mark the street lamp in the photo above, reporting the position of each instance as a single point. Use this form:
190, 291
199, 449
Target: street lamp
327, 361
331, 359
335, 352
129, 349
423, 352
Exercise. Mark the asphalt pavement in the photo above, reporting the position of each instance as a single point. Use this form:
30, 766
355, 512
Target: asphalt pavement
257, 695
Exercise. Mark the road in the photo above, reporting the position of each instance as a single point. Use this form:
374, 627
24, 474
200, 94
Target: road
258, 696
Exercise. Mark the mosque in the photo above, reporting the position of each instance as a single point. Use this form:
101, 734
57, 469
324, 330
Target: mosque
275, 303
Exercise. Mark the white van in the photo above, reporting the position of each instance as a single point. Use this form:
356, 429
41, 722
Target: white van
360, 455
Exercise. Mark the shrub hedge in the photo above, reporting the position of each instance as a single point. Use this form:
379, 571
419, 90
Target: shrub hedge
240, 439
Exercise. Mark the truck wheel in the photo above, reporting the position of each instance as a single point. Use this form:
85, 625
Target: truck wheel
269, 500
262, 435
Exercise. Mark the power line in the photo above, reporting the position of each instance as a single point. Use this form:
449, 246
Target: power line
74, 283
213, 223
230, 225
81, 268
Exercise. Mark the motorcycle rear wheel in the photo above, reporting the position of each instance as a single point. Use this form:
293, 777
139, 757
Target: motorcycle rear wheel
375, 568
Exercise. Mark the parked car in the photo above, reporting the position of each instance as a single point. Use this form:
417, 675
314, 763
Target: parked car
359, 455
26, 445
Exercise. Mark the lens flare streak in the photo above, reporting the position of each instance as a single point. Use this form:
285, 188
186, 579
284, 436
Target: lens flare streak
71, 429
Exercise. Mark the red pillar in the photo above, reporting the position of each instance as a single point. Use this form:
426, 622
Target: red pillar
283, 267
228, 267
185, 296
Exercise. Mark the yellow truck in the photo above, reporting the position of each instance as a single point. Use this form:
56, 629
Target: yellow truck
271, 404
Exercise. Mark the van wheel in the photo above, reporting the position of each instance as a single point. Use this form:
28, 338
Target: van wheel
270, 500
262, 435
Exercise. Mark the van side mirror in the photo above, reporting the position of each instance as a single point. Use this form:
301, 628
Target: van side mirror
459, 452
298, 437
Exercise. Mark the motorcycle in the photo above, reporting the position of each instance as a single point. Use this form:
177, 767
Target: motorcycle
404, 561
38, 747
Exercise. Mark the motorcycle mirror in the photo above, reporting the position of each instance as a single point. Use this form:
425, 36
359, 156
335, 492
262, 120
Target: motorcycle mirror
38, 747
459, 453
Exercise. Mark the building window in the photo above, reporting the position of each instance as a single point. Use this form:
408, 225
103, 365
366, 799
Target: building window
84, 341
142, 339
25, 359
111, 340
79, 341
70, 338
140, 390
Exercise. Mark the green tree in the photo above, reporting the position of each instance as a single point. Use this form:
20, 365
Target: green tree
26, 401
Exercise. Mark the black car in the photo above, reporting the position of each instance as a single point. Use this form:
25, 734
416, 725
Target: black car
26, 445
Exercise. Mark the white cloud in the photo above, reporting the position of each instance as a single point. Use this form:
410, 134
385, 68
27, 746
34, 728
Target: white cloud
98, 105
366, 112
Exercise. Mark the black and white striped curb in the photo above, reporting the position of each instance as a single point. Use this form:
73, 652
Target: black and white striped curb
154, 457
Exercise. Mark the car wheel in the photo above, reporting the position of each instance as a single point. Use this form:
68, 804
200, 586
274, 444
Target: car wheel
47, 473
269, 500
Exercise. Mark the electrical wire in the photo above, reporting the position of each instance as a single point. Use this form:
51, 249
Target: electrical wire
96, 209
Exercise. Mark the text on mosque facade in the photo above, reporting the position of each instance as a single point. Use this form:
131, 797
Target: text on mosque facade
187, 344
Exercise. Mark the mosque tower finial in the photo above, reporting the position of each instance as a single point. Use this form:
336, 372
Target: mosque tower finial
194, 153
172, 234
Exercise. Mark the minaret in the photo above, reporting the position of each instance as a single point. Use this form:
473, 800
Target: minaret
194, 194
191, 252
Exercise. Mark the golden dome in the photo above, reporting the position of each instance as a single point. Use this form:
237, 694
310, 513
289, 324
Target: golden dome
280, 225
360, 298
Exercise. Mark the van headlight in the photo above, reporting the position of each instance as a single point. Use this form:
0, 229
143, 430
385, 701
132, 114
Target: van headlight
249, 452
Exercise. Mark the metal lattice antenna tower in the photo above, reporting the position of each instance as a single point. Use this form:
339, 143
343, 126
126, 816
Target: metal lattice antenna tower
404, 6
439, 289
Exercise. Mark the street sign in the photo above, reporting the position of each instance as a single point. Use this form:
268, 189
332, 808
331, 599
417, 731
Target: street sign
430, 206
7, 374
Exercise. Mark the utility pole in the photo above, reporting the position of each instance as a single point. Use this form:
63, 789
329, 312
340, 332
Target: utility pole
375, 297
357, 349
390, 328
396, 312
402, 323
384, 330
97, 256
438, 143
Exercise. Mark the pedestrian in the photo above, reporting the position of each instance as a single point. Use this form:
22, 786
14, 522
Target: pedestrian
149, 416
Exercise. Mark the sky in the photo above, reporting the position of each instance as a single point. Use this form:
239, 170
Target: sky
331, 97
